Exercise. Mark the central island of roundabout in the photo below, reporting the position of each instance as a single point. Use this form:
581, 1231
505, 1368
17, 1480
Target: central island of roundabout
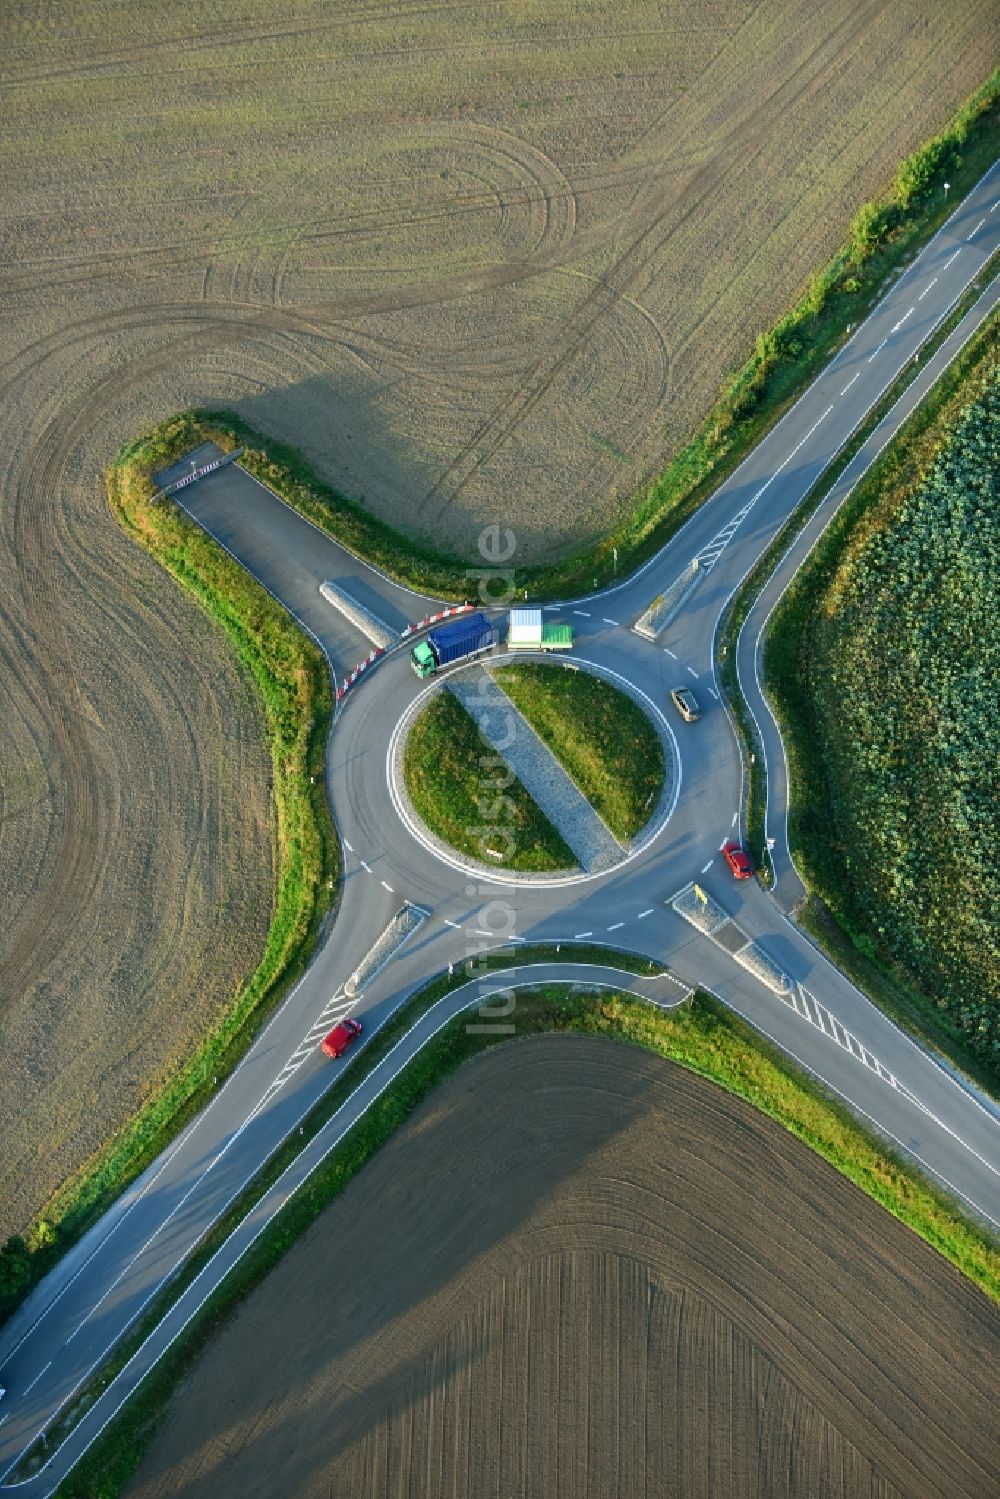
535, 769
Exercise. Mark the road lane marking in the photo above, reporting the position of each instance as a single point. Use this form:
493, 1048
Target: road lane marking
668, 652
977, 228
616, 926
927, 289
733, 823
706, 867
693, 673
578, 935
387, 887
583, 613
480, 933
643, 914
366, 867
787, 460
609, 621
37, 1377
878, 350
995, 206
350, 850
896, 326
951, 258
850, 383
455, 924
714, 693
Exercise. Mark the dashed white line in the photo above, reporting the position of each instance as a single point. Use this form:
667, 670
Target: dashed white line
878, 350
583, 613
977, 228
578, 935
693, 673
455, 924
850, 383
785, 462
643, 914
387, 887
908, 313
995, 206
951, 258
616, 926
714, 693
550, 608
480, 933
349, 848
366, 867
927, 289
706, 867
609, 621
668, 652
31, 1386
735, 816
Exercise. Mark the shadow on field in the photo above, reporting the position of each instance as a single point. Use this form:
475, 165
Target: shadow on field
343, 1330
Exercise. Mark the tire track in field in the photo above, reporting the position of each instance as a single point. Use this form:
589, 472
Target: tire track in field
739, 148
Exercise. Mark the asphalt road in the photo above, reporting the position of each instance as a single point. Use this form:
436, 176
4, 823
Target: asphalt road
96, 1294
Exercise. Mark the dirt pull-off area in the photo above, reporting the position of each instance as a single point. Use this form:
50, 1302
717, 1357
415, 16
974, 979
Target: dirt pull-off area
474, 260
581, 1271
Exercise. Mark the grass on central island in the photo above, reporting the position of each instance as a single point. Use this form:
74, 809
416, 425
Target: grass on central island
602, 739
458, 786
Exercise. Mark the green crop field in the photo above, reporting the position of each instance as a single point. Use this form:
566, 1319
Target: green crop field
886, 660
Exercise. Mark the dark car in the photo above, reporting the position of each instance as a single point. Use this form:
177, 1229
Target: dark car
686, 703
738, 860
340, 1038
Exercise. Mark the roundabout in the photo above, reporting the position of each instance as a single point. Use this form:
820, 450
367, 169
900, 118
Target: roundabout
670, 898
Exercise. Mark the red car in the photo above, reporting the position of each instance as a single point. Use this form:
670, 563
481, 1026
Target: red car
340, 1038
738, 860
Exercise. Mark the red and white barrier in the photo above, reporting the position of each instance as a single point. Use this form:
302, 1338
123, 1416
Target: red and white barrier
423, 624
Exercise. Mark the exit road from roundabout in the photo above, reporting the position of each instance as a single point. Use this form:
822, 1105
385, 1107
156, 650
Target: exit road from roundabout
96, 1294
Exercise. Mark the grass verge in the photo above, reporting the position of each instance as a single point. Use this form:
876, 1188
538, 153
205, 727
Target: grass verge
293, 685
602, 739
701, 1035
883, 237
467, 796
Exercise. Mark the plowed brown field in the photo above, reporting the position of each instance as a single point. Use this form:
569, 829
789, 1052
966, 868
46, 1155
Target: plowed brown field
471, 259
581, 1271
